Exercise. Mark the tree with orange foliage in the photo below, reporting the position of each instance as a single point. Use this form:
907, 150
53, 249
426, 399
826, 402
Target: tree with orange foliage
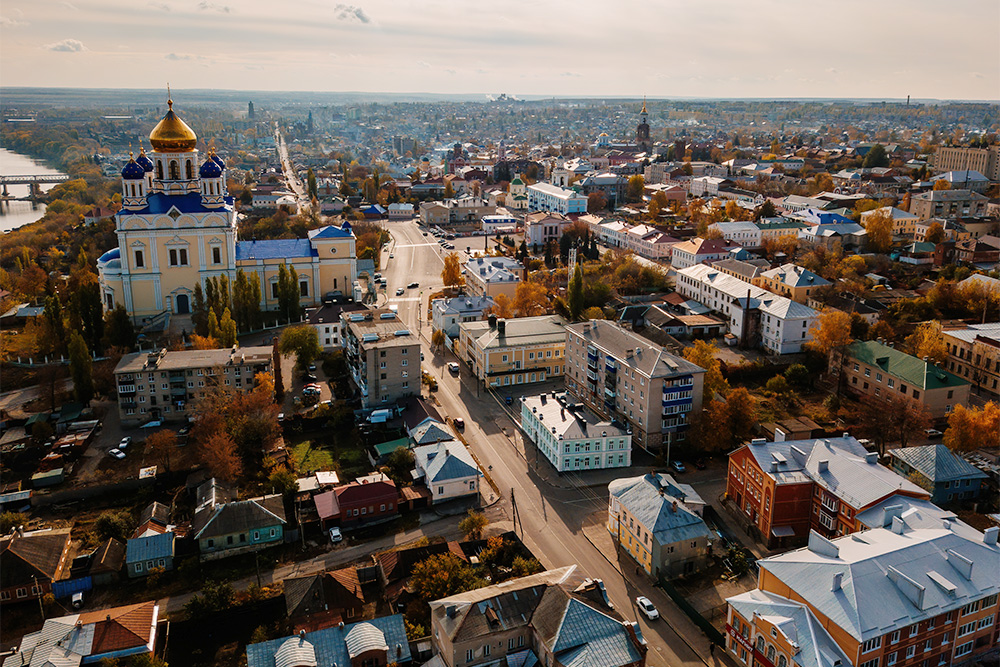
531, 299
159, 444
972, 428
832, 331
942, 184
202, 342
219, 453
879, 228
502, 307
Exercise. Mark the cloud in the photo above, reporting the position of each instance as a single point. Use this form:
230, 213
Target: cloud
424, 64
351, 13
159, 5
67, 45
570, 74
70, 5
7, 22
174, 56
205, 5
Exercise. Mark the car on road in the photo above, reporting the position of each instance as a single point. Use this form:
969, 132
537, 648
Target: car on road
125, 442
413, 285
392, 256
677, 466
508, 400
336, 535
312, 368
933, 433
117, 453
425, 233
459, 423
453, 367
77, 600
400, 291
647, 608
184, 431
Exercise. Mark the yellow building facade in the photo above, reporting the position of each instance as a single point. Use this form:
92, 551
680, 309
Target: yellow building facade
515, 351
177, 228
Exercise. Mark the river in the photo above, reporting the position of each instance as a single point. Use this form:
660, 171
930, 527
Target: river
13, 214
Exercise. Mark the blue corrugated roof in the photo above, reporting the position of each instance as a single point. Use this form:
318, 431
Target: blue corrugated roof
330, 232
275, 249
329, 645
938, 463
147, 548
588, 638
158, 203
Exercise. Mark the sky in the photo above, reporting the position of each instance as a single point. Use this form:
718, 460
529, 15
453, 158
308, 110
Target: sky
878, 49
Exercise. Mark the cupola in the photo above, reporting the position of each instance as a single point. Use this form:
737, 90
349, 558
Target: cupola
171, 134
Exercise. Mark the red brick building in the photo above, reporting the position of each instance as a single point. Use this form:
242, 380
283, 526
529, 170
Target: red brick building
370, 499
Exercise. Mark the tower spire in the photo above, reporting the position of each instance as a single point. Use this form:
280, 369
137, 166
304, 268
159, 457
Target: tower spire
643, 104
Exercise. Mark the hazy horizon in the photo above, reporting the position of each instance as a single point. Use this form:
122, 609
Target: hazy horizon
770, 49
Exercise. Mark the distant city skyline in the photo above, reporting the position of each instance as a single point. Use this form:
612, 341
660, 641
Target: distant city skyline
725, 49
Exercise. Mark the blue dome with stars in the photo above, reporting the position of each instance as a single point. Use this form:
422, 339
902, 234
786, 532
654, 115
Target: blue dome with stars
210, 169
132, 171
218, 160
144, 162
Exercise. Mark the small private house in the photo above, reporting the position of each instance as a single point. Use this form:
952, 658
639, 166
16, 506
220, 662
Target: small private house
143, 554
448, 314
430, 431
31, 561
242, 526
376, 643
367, 500
448, 470
936, 468
659, 523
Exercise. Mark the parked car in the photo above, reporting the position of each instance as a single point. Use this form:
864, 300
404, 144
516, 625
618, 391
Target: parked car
453, 367
677, 466
312, 368
647, 608
412, 285
116, 453
335, 535
184, 431
391, 256
933, 433
508, 400
400, 291
77, 600
125, 442
309, 377
459, 423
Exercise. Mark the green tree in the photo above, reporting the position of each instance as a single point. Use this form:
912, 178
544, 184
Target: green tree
57, 326
10, 520
574, 299
289, 308
213, 327
120, 332
87, 313
798, 375
283, 481
876, 157
522, 567
399, 465
227, 330
702, 353
311, 184
473, 525
246, 301
81, 368
303, 342
442, 575
199, 311
117, 524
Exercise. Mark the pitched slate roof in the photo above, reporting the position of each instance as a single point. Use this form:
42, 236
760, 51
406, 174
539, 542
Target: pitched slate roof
108, 557
150, 548
158, 203
857, 480
888, 581
430, 430
937, 463
915, 513
239, 516
642, 497
40, 554
648, 358
330, 645
913, 370
332, 232
339, 589
794, 275
444, 461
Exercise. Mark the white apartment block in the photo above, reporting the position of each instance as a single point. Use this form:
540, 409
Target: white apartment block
552, 198
572, 437
745, 233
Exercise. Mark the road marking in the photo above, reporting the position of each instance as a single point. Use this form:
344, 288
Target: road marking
414, 245
409, 298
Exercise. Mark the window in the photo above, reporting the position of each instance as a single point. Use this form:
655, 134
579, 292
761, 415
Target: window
770, 653
486, 649
871, 645
916, 394
178, 257
911, 651
913, 630
986, 622
303, 288
967, 629
868, 372
894, 637
468, 655
274, 290
970, 608
216, 255
782, 662
890, 659
870, 663
138, 567
964, 649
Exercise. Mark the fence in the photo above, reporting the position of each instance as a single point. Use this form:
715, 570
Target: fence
64, 589
710, 630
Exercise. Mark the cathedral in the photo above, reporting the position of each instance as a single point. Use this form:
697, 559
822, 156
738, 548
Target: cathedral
177, 228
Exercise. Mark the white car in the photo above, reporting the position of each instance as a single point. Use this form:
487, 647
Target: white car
647, 608
117, 453
933, 433
336, 535
453, 367
125, 442
400, 291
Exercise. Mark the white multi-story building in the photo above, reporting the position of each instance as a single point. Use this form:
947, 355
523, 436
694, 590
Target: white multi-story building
698, 250
754, 315
743, 232
448, 314
492, 276
571, 437
540, 228
548, 197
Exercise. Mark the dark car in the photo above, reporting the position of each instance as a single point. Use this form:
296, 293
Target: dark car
412, 285
309, 377
508, 399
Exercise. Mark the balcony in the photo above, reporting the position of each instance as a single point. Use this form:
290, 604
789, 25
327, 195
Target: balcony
178, 392
177, 377
592, 376
610, 367
126, 389
128, 405
610, 393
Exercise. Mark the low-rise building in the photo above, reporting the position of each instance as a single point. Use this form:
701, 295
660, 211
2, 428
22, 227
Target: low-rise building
621, 375
699, 250
225, 529
548, 197
974, 355
448, 471
948, 204
553, 618
945, 475
448, 314
152, 552
376, 643
785, 489
659, 523
572, 437
791, 280
370, 499
326, 320
872, 368
540, 228
493, 276
382, 355
515, 351
498, 223
162, 385
904, 223
889, 596
30, 562
743, 232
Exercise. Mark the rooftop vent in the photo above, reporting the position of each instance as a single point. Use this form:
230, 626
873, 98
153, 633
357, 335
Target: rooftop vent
387, 316
402, 332
370, 337
871, 457
822, 546
823, 465
759, 441
357, 317
898, 525
838, 580
990, 535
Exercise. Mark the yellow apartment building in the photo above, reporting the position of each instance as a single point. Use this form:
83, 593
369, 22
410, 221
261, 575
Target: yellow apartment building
515, 351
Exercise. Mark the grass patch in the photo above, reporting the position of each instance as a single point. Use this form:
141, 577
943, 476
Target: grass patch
308, 457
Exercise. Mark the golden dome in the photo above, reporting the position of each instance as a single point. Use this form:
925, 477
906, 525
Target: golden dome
172, 135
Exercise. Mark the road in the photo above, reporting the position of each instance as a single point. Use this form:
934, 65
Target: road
552, 518
288, 169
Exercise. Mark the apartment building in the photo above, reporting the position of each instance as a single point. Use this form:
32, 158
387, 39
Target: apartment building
555, 618
743, 232
517, 351
448, 314
872, 368
791, 280
621, 375
974, 355
754, 315
785, 489
904, 223
698, 250
957, 158
382, 354
948, 204
572, 437
492, 276
552, 198
889, 597
326, 321
659, 523
162, 385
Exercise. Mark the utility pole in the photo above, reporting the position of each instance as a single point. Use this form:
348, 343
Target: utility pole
41, 607
516, 514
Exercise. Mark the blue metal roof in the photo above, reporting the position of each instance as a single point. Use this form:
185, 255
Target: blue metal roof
149, 548
331, 232
937, 463
158, 203
329, 645
275, 249
588, 638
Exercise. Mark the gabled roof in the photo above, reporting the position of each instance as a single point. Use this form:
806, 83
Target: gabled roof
108, 557
241, 515
445, 461
658, 504
430, 431
588, 637
149, 548
331, 645
39, 554
914, 371
857, 480
937, 463
646, 357
793, 275
888, 581
325, 591
333, 232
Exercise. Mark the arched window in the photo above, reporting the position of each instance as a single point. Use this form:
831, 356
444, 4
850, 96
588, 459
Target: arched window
175, 171
760, 644
132, 187
159, 170
770, 653
782, 662
190, 170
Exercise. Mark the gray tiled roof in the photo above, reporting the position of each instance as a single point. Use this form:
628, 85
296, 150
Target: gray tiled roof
642, 497
925, 580
445, 461
651, 359
329, 645
239, 516
588, 637
855, 479
937, 463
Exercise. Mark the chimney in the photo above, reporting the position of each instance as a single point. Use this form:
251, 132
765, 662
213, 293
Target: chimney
302, 634
838, 579
889, 513
502, 327
450, 611
897, 525
990, 536
823, 465
673, 506
871, 457
492, 319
